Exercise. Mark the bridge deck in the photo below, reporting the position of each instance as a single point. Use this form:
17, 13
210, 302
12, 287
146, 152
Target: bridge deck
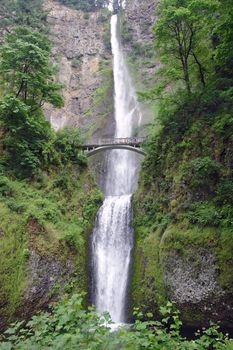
129, 141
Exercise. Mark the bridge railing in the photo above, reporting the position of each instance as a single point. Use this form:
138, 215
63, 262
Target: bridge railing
116, 141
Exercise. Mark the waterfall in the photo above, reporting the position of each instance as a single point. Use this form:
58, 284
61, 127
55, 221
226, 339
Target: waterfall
112, 240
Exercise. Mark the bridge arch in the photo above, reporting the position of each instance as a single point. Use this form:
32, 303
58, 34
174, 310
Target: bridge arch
98, 149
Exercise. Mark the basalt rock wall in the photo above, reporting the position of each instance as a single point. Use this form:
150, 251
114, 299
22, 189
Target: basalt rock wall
81, 49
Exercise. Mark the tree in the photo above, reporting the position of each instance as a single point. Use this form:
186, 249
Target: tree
26, 136
26, 68
183, 37
28, 82
223, 39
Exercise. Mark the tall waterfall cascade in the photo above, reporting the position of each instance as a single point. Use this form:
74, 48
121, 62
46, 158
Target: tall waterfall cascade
112, 240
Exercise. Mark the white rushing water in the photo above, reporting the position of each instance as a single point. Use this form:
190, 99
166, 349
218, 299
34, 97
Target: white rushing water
112, 241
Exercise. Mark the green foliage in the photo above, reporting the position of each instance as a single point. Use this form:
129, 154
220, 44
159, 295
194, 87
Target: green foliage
12, 267
26, 68
69, 326
26, 136
28, 83
224, 192
21, 12
223, 41
181, 161
204, 213
85, 5
203, 167
183, 33
67, 144
6, 188
202, 172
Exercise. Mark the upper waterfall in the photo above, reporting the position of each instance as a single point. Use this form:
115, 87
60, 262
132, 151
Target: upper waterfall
122, 168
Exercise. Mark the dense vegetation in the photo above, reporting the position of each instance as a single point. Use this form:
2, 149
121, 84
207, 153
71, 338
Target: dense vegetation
29, 13
184, 202
69, 326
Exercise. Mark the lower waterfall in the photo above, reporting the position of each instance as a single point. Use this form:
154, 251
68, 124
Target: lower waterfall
112, 240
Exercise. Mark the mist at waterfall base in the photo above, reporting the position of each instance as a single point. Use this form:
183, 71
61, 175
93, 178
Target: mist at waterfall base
112, 239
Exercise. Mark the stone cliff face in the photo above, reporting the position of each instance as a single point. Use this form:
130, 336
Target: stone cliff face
137, 24
139, 20
140, 17
81, 50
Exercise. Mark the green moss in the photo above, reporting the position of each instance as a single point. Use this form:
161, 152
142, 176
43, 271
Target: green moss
184, 238
12, 260
225, 259
147, 290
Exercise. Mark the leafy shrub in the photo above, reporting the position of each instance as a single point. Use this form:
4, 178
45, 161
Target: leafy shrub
91, 203
201, 171
223, 125
204, 213
73, 236
69, 326
15, 206
67, 145
226, 213
6, 188
62, 181
203, 167
26, 136
224, 192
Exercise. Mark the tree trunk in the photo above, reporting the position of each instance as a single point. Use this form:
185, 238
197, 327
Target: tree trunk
201, 69
186, 76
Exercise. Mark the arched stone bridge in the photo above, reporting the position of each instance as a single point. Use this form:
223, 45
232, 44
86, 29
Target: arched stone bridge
133, 144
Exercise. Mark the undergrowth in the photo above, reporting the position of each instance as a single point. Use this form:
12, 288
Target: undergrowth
69, 326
